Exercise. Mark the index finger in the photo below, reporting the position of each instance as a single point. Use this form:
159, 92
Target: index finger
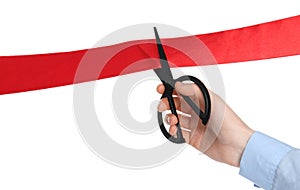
161, 88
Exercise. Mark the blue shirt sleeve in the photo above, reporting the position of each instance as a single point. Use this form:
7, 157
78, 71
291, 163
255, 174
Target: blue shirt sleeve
270, 163
287, 175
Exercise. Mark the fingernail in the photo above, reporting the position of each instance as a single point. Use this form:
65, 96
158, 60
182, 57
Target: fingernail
168, 119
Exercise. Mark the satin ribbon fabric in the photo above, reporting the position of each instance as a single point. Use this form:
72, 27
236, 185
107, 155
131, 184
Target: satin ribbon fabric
263, 41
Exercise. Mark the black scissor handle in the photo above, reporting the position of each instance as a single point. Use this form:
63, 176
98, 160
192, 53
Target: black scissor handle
204, 116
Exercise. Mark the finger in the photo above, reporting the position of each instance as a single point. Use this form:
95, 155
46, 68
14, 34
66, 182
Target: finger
164, 104
173, 130
180, 104
187, 89
161, 88
171, 119
191, 90
185, 134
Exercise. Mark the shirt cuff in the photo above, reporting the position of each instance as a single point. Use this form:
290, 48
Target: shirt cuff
260, 159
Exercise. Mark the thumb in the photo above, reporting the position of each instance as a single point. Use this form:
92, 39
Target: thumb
187, 89
191, 90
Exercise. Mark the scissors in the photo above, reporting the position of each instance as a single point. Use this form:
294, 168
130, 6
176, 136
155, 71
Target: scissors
165, 75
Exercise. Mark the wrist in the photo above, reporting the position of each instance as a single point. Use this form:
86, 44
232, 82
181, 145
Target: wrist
240, 145
234, 136
240, 138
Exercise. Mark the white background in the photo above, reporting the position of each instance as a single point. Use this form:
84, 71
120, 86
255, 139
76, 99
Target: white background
40, 146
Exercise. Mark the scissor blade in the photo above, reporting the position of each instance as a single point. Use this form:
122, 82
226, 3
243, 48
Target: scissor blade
160, 48
164, 73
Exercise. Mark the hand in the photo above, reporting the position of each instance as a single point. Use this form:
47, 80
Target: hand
223, 138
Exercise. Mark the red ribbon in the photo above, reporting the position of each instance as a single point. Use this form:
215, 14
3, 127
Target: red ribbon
32, 72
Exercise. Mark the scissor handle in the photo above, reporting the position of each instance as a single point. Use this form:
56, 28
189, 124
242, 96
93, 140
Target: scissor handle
204, 116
